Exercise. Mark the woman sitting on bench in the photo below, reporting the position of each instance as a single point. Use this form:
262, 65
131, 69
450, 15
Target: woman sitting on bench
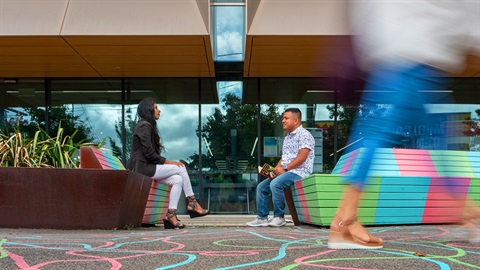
146, 159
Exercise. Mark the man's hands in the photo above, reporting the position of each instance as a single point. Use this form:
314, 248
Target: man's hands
301, 157
278, 169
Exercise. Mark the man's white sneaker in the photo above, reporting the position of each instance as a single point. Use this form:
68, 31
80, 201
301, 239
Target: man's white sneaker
277, 222
258, 223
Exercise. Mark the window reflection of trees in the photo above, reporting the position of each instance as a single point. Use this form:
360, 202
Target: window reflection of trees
28, 120
231, 134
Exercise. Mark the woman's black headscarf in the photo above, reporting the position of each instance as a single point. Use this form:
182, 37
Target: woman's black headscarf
146, 112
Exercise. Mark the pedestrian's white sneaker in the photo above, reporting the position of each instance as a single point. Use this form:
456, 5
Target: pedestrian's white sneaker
258, 223
277, 222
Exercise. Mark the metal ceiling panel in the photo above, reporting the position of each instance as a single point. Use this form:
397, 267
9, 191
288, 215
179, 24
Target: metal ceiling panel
135, 17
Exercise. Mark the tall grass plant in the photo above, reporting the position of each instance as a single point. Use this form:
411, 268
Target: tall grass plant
41, 151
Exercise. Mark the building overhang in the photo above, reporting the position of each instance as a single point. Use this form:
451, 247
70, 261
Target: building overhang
300, 52
109, 39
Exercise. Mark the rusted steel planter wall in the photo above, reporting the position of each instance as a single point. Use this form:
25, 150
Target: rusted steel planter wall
71, 198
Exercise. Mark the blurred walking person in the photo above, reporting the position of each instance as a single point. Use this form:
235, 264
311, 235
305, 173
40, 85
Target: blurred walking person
405, 47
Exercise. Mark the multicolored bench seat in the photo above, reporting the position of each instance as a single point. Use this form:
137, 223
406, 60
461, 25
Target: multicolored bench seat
407, 186
157, 201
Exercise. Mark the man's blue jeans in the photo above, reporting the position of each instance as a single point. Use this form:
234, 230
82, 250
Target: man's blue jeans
275, 188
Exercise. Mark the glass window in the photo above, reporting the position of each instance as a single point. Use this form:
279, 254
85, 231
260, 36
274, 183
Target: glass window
228, 33
464, 120
94, 105
22, 105
229, 138
91, 106
229, 1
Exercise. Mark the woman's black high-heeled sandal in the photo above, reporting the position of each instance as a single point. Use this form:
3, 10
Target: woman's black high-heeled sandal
192, 203
169, 222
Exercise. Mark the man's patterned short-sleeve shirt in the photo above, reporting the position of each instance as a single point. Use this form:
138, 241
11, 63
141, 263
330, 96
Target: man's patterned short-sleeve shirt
294, 141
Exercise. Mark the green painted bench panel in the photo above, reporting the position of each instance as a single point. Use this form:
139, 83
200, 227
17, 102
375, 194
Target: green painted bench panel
407, 187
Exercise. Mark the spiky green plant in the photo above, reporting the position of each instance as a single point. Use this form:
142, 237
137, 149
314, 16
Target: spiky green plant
16, 151
41, 150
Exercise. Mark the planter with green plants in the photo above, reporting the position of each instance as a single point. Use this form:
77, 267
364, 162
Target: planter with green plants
42, 186
41, 151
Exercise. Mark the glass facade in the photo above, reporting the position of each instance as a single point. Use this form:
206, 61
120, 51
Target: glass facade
222, 143
223, 154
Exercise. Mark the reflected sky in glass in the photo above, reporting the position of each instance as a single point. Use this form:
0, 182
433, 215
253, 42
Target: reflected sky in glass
229, 1
228, 33
229, 42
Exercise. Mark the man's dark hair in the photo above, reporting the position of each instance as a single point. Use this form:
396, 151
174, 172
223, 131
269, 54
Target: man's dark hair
295, 111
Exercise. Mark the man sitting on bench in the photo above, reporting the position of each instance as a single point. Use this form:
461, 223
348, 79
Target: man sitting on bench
296, 162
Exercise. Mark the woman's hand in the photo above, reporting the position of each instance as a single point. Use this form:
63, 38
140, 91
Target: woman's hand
178, 163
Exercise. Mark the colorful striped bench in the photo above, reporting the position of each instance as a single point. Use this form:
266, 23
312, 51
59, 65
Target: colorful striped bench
157, 202
407, 186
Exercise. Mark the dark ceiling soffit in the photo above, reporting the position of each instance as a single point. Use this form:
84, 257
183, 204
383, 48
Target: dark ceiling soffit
299, 90
320, 91
170, 90
228, 71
